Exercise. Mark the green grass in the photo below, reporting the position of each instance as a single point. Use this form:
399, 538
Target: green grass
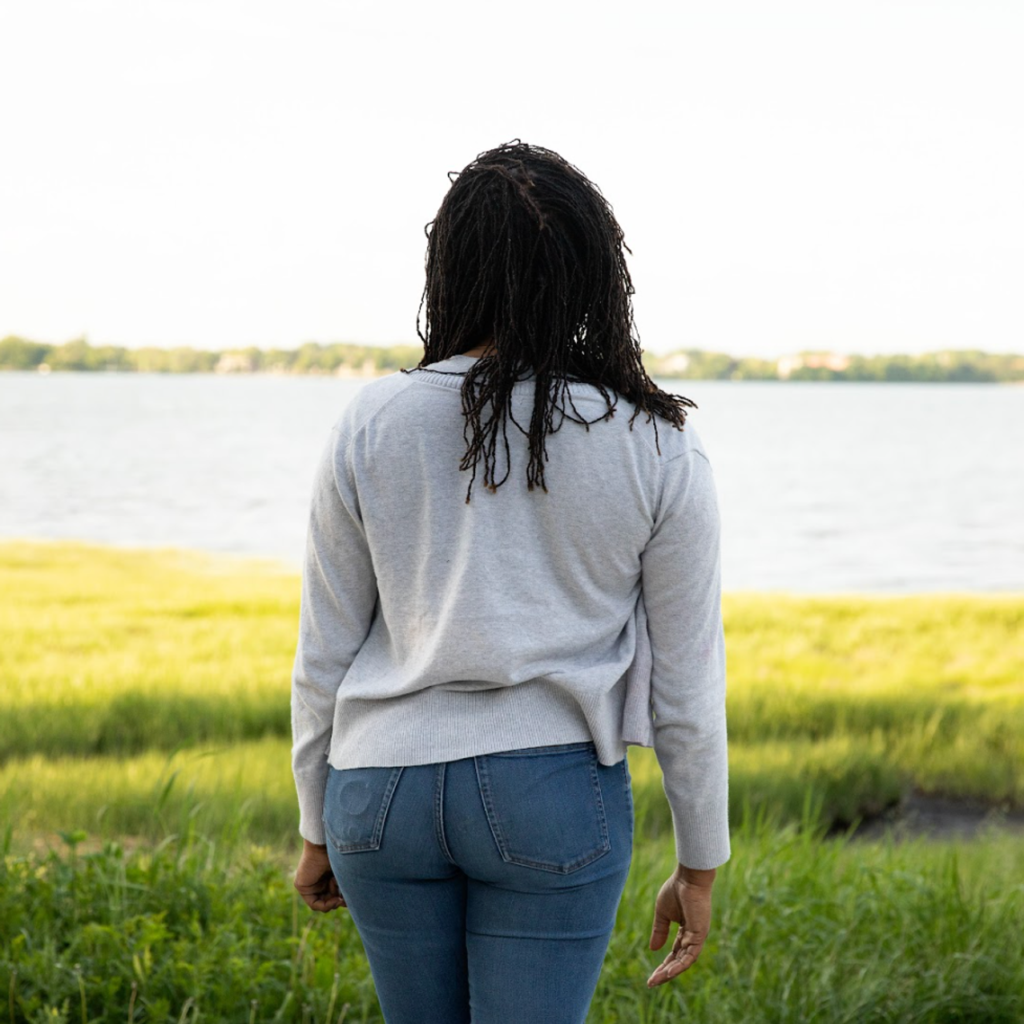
110, 656
105, 650
246, 787
110, 796
200, 928
144, 718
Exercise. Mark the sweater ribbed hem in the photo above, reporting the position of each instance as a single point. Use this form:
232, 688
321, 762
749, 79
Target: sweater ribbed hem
436, 725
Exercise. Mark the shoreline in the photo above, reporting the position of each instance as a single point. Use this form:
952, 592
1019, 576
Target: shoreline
357, 374
220, 562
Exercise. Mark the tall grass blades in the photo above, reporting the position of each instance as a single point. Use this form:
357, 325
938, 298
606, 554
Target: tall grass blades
804, 930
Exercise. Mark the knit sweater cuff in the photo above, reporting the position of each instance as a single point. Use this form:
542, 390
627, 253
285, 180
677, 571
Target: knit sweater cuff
702, 837
310, 789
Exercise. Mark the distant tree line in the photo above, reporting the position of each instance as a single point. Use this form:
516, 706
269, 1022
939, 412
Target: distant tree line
968, 365
368, 360
949, 365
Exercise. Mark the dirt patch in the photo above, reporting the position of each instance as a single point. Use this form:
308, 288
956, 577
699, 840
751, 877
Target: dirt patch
939, 817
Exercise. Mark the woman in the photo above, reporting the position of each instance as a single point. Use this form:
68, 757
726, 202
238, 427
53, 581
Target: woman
472, 646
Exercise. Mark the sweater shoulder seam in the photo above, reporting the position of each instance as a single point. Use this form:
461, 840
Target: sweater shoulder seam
368, 417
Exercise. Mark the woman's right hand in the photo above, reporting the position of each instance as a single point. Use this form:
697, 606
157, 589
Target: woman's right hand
686, 899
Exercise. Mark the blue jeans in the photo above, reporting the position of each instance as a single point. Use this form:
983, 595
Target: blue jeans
484, 889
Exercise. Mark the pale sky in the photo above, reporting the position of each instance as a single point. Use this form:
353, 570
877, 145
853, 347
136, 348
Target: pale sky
789, 175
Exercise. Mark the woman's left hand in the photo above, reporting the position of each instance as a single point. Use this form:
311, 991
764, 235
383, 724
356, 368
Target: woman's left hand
315, 880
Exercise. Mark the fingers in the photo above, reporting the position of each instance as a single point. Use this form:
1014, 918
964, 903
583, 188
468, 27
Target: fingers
659, 933
320, 900
685, 951
320, 892
324, 904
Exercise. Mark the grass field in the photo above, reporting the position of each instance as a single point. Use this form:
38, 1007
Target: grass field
149, 815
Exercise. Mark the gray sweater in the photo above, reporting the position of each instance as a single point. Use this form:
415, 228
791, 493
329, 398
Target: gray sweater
433, 629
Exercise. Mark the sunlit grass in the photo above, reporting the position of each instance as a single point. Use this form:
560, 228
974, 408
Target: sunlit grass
132, 653
921, 646
109, 650
246, 787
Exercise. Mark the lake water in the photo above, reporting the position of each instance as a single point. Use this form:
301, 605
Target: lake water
823, 487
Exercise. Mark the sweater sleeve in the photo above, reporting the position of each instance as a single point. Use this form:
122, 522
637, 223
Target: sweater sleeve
681, 569
339, 592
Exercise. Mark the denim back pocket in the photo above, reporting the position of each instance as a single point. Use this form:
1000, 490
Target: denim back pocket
544, 806
356, 802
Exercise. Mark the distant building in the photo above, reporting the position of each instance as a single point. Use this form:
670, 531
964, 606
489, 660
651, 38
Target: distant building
812, 360
678, 362
368, 369
234, 362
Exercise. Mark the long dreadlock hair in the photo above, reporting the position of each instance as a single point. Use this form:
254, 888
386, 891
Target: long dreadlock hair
525, 253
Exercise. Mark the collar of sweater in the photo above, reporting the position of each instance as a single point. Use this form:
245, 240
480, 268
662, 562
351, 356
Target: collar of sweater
449, 373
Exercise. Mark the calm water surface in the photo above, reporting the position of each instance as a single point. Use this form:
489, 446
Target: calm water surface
823, 487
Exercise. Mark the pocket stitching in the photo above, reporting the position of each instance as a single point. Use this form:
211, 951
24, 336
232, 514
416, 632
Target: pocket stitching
483, 778
374, 841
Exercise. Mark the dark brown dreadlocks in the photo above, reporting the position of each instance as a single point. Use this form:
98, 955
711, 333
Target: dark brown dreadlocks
526, 253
